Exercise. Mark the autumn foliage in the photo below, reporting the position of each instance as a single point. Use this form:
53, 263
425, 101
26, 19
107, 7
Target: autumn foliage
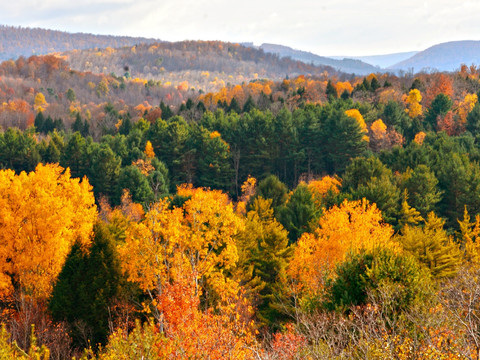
42, 214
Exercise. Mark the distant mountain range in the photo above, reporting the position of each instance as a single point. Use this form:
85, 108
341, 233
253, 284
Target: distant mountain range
346, 65
382, 61
448, 56
20, 41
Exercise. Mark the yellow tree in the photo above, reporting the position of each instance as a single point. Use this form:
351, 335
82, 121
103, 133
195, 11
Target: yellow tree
354, 113
192, 242
41, 215
378, 135
466, 106
351, 227
419, 137
413, 101
39, 103
320, 188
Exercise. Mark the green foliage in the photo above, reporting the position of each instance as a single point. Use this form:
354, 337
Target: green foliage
439, 107
423, 193
86, 288
473, 120
140, 343
104, 171
341, 139
214, 167
432, 247
369, 178
272, 188
130, 178
300, 213
264, 254
394, 116
367, 273
331, 92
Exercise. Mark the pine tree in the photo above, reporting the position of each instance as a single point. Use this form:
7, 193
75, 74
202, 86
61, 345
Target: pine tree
432, 246
264, 253
86, 287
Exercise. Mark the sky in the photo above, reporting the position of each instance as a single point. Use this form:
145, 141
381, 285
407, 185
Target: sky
324, 27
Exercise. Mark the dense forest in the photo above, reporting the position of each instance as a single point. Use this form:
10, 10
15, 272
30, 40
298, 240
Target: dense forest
23, 41
309, 217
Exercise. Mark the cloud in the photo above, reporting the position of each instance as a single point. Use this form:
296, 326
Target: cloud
326, 27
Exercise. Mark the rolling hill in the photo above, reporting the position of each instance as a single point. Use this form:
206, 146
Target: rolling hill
448, 56
351, 66
20, 41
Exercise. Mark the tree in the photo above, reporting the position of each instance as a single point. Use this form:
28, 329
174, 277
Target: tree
214, 167
71, 96
300, 213
354, 226
42, 214
39, 103
341, 139
272, 188
193, 242
423, 192
105, 171
473, 120
438, 108
86, 288
362, 273
331, 92
131, 179
432, 246
263, 258
413, 101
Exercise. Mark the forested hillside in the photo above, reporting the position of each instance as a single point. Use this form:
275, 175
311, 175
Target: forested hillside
323, 217
203, 65
20, 41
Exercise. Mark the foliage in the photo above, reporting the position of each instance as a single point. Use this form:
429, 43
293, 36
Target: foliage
432, 246
42, 214
352, 227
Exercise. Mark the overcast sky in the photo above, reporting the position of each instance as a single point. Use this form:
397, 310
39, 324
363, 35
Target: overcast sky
325, 27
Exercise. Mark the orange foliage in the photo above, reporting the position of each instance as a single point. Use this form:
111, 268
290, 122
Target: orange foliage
41, 215
419, 137
351, 227
193, 334
194, 241
447, 124
440, 84
342, 86
319, 188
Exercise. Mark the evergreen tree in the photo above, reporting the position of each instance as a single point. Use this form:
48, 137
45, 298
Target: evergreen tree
86, 287
167, 112
341, 139
130, 178
300, 213
432, 246
234, 106
272, 188
39, 122
78, 123
473, 120
331, 92
374, 84
423, 192
264, 253
439, 107
249, 104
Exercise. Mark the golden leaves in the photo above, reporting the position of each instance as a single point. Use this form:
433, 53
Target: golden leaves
41, 215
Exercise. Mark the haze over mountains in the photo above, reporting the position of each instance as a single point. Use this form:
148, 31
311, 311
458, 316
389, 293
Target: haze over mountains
18, 41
